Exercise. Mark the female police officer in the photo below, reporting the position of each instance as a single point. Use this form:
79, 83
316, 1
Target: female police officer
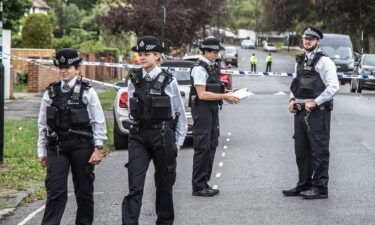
157, 132
71, 133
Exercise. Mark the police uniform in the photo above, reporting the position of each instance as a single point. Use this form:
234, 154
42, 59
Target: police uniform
253, 62
268, 63
158, 112
206, 119
316, 79
71, 122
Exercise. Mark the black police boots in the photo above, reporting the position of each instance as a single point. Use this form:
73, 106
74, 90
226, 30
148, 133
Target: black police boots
207, 192
293, 192
314, 193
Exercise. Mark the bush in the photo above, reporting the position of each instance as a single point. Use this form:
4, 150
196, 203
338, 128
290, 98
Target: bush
21, 77
16, 41
64, 42
98, 48
37, 31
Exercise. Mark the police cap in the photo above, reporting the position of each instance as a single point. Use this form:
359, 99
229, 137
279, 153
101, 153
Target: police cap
211, 44
148, 44
66, 57
312, 32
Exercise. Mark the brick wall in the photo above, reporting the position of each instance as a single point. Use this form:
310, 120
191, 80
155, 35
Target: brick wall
39, 77
25, 53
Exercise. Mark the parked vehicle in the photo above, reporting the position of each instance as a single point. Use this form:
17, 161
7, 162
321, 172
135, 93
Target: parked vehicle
120, 106
230, 56
339, 48
269, 47
247, 44
365, 66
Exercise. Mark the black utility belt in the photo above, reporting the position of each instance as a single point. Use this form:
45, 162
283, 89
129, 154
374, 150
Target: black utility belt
70, 134
327, 106
154, 125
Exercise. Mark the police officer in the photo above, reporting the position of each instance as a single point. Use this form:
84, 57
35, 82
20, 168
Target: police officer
207, 92
157, 133
71, 133
253, 62
268, 62
312, 92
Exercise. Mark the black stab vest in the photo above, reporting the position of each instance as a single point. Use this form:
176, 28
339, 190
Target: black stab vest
150, 103
66, 112
307, 84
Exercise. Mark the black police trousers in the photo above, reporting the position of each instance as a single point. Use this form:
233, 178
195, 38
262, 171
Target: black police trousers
159, 145
311, 139
74, 154
205, 137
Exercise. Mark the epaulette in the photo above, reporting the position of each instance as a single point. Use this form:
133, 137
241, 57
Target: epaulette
135, 76
168, 74
321, 53
51, 90
85, 83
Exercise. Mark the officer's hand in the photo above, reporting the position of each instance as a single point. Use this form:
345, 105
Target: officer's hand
43, 161
231, 91
291, 104
231, 98
96, 157
309, 105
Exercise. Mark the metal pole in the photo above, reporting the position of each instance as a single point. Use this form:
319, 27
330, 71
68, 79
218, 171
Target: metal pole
164, 15
2, 80
362, 43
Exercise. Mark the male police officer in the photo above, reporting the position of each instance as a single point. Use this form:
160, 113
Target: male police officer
268, 62
312, 92
253, 62
71, 133
157, 133
207, 92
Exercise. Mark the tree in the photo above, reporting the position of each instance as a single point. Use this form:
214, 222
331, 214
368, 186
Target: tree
37, 31
14, 10
184, 18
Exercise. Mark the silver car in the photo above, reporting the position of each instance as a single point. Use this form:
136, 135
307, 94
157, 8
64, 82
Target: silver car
120, 106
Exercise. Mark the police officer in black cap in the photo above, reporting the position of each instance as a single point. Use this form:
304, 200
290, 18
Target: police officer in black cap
157, 132
207, 93
71, 133
311, 100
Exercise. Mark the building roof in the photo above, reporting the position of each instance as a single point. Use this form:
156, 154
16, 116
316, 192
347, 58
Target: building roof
40, 4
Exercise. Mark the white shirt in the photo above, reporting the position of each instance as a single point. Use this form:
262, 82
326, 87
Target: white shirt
94, 110
199, 74
327, 71
177, 104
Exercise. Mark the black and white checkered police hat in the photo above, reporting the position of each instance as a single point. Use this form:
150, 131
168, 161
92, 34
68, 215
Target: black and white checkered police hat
211, 44
148, 44
312, 32
66, 57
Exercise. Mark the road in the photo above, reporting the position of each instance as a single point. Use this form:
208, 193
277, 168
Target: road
254, 162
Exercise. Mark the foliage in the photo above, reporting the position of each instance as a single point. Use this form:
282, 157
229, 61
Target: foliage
71, 17
37, 31
123, 41
183, 18
14, 10
16, 41
64, 42
107, 98
241, 14
98, 48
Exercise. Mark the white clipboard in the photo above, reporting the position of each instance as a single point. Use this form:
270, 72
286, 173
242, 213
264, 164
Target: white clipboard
240, 94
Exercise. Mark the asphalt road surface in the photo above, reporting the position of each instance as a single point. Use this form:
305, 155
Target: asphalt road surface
254, 162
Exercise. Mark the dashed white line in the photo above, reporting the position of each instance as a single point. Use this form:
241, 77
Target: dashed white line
29, 217
223, 154
280, 93
229, 134
221, 164
228, 139
225, 147
218, 175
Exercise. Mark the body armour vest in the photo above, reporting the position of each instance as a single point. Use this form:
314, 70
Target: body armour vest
67, 110
307, 84
213, 82
150, 103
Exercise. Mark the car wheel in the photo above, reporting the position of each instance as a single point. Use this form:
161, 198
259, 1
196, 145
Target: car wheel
120, 140
359, 90
342, 82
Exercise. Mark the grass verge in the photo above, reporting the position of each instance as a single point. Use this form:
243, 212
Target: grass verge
20, 88
38, 194
107, 98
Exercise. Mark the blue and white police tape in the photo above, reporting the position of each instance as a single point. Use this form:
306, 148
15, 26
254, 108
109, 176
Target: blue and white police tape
232, 72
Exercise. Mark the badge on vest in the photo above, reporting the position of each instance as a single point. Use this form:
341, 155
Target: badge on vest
134, 79
73, 102
307, 68
155, 92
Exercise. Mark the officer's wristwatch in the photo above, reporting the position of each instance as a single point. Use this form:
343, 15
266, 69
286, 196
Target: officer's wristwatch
99, 146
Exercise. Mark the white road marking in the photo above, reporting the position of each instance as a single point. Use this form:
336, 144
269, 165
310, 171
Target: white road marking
221, 164
225, 147
218, 175
280, 93
229, 134
228, 139
214, 187
223, 154
98, 193
29, 217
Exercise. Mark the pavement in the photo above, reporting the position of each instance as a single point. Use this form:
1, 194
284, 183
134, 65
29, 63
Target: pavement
254, 161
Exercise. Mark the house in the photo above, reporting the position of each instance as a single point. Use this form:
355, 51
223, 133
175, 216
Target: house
39, 7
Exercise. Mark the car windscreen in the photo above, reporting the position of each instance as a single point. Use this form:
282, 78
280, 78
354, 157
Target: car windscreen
247, 41
183, 77
230, 51
369, 60
270, 45
338, 52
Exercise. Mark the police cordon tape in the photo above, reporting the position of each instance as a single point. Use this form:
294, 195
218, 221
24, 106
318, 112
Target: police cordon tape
232, 72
